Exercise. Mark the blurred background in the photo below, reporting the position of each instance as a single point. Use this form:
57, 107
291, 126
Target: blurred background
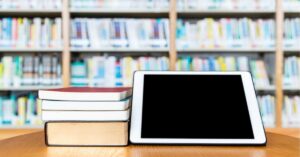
99, 43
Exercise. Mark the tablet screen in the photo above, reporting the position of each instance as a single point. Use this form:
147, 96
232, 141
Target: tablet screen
195, 106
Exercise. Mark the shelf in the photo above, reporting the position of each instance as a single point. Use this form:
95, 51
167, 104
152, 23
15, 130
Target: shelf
246, 50
120, 12
27, 88
21, 127
30, 12
291, 50
267, 88
123, 50
30, 49
292, 11
290, 88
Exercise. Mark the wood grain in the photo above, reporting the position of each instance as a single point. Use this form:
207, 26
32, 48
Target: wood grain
279, 62
172, 45
32, 145
66, 55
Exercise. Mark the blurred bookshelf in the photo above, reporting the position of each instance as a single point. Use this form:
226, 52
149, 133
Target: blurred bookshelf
182, 36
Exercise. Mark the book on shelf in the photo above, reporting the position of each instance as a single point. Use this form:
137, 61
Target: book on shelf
289, 5
227, 5
267, 109
119, 33
19, 109
31, 4
292, 32
291, 111
86, 133
291, 74
29, 70
30, 32
227, 63
112, 71
120, 4
86, 94
225, 33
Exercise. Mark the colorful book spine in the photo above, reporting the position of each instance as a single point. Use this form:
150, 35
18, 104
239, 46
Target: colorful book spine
119, 4
211, 33
267, 109
112, 71
31, 4
291, 74
17, 71
119, 33
226, 4
291, 111
31, 33
228, 63
18, 109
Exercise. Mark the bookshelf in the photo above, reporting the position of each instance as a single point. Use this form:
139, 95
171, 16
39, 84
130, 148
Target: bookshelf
172, 51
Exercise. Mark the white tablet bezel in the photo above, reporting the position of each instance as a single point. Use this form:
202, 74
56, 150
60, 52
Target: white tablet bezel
137, 101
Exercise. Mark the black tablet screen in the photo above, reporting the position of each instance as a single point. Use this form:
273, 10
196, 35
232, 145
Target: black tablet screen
195, 106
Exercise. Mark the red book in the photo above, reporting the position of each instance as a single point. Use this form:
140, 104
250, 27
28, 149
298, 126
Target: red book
86, 94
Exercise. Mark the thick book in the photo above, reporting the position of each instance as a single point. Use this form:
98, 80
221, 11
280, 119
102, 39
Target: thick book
86, 133
86, 94
85, 105
85, 115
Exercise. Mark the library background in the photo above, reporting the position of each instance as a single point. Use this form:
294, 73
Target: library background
57, 43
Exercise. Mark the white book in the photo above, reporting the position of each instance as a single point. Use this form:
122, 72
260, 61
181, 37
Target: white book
85, 94
85, 105
85, 115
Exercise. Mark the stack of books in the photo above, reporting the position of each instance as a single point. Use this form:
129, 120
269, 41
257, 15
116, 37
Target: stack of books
83, 116
30, 70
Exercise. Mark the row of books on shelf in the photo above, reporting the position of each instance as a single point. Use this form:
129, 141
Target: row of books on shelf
30, 4
120, 4
184, 5
291, 71
226, 4
46, 69
118, 71
119, 33
204, 33
112, 71
31, 32
147, 33
256, 66
290, 111
235, 33
19, 109
16, 71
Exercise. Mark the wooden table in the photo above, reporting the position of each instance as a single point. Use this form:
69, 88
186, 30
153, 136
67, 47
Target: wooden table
32, 145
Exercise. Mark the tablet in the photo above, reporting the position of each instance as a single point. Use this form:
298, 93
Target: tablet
218, 108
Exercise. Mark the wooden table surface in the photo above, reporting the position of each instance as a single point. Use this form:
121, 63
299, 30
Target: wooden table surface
32, 145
